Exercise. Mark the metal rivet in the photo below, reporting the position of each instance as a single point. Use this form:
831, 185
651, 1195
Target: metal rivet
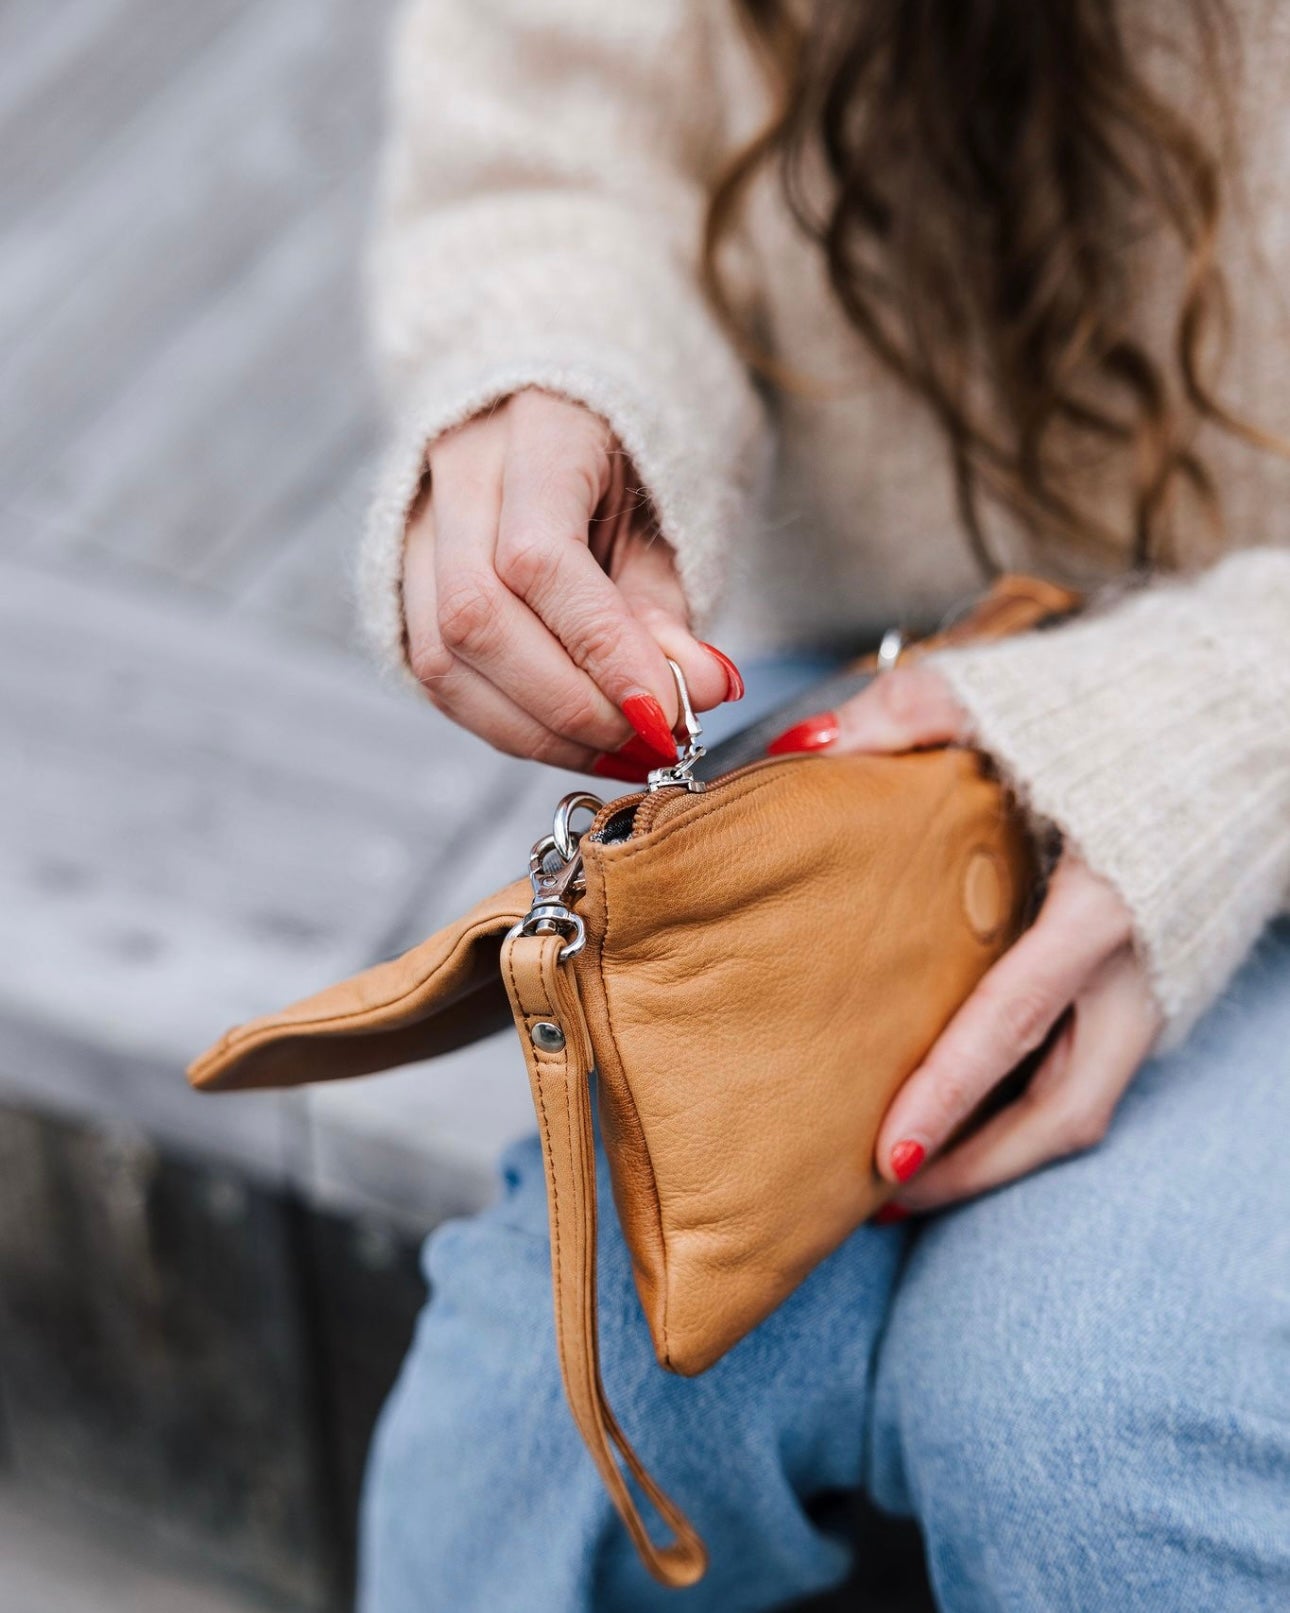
549, 1037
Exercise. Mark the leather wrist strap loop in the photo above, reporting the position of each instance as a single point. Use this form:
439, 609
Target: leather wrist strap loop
542, 991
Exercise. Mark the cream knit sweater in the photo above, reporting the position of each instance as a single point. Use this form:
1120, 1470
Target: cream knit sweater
543, 191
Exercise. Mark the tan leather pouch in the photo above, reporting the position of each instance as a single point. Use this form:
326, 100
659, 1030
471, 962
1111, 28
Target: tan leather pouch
752, 970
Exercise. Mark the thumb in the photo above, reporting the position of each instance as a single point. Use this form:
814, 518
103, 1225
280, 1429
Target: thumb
903, 709
646, 574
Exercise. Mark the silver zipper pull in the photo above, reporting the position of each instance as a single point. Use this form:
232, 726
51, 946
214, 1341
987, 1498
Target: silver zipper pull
678, 773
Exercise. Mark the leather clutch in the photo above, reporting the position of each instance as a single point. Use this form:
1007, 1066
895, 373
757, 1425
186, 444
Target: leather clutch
751, 966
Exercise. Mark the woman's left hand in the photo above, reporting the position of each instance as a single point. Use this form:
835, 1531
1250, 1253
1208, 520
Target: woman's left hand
1076, 964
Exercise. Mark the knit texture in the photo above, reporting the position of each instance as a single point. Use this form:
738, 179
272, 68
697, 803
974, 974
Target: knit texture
538, 225
1156, 735
514, 250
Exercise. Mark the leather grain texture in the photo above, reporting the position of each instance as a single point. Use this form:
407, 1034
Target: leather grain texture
766, 964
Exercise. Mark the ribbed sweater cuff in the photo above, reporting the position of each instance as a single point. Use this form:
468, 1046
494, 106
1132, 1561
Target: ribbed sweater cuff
1156, 736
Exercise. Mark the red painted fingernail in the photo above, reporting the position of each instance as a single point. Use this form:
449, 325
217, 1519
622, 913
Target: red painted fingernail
647, 718
616, 766
890, 1214
636, 750
907, 1159
812, 733
734, 678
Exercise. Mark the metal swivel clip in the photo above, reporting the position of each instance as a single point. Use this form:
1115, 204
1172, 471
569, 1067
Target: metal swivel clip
678, 773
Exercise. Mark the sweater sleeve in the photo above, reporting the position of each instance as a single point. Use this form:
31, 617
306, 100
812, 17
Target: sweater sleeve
538, 224
1155, 734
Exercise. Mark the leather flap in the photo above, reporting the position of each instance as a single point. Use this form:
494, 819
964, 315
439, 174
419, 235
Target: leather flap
441, 995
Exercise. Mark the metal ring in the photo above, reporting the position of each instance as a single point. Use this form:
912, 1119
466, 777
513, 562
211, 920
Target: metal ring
560, 919
889, 650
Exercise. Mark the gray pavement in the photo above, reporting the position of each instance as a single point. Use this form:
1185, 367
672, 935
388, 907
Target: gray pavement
210, 805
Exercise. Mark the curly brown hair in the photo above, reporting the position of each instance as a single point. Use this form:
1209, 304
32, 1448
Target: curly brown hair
991, 166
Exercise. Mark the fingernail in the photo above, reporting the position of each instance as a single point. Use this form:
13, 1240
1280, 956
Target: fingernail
636, 750
812, 733
647, 718
616, 766
890, 1214
734, 678
907, 1159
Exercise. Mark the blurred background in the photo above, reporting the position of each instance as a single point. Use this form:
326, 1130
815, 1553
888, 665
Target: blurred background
209, 805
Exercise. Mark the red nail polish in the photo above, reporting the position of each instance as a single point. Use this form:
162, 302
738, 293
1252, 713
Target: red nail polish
636, 750
890, 1214
812, 733
647, 718
614, 766
907, 1159
734, 678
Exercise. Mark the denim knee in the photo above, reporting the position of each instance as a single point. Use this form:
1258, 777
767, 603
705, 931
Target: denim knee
1081, 1391
1005, 1400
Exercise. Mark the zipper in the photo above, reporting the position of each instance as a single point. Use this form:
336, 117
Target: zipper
625, 818
555, 862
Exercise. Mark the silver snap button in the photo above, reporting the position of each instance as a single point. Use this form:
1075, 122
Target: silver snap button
549, 1037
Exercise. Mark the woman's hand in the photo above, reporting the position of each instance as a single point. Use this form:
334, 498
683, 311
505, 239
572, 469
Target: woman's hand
1076, 965
539, 606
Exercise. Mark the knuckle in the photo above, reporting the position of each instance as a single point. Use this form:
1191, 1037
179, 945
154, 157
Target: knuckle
506, 745
898, 695
1023, 1016
595, 640
550, 749
1085, 902
586, 473
529, 403
654, 617
574, 714
527, 564
564, 467
467, 614
551, 416
952, 1090
1084, 1127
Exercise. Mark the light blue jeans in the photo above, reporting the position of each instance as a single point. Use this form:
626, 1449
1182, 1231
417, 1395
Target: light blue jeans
1079, 1385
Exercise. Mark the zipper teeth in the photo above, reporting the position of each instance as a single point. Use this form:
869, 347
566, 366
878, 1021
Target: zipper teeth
652, 802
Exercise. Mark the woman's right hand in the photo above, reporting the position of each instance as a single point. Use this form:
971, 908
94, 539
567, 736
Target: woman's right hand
539, 603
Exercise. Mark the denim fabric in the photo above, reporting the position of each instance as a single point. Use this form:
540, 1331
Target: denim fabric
1079, 1385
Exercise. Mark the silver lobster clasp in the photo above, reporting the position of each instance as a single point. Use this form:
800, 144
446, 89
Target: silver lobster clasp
678, 773
555, 873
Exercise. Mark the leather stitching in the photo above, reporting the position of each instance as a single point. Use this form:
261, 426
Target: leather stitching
589, 1375
546, 1144
579, 1367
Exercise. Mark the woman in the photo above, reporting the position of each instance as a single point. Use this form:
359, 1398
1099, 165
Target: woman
830, 315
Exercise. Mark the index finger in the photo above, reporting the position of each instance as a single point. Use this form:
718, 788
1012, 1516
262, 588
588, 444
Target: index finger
543, 557
1010, 1013
1069, 1104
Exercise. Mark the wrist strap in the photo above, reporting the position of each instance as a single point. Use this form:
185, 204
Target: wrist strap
544, 993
